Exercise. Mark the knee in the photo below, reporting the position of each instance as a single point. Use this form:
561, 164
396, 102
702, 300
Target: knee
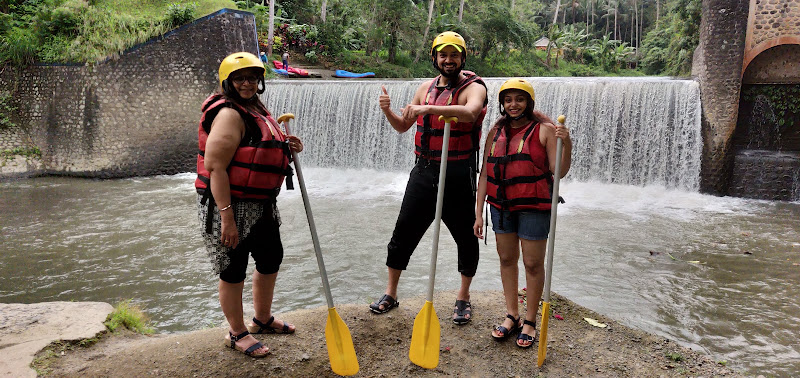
534, 268
508, 259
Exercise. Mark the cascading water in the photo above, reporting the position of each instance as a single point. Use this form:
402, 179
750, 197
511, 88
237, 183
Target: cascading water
625, 130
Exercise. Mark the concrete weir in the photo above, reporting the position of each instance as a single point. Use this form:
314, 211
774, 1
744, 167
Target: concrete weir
136, 114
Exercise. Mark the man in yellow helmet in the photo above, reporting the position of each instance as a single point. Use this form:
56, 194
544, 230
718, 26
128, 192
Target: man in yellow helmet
454, 93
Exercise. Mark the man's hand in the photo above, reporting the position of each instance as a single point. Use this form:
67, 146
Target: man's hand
384, 100
413, 111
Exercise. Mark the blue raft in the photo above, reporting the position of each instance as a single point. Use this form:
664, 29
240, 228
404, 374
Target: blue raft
351, 75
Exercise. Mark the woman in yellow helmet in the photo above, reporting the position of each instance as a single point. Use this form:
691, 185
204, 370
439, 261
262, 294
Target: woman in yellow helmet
242, 162
518, 161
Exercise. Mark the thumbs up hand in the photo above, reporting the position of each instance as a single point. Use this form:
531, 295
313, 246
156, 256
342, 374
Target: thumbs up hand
384, 100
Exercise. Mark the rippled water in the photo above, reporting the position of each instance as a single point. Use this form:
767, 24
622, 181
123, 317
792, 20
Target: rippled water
717, 274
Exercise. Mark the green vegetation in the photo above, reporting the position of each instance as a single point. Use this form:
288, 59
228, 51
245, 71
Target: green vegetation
784, 100
675, 356
586, 37
27, 152
64, 31
6, 109
130, 316
389, 37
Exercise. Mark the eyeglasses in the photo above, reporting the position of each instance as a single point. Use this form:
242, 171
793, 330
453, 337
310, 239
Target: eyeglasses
241, 79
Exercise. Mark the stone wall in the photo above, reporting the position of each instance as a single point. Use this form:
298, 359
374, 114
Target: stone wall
768, 175
771, 23
132, 115
718, 63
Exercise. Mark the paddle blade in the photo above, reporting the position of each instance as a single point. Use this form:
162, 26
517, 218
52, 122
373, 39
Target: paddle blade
424, 349
341, 352
543, 333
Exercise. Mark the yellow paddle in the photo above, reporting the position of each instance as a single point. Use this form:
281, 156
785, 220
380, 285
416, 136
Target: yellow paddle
550, 243
424, 349
341, 352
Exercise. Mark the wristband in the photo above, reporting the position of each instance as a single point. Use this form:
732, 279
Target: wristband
225, 208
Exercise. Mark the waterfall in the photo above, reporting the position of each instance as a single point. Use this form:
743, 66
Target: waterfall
633, 131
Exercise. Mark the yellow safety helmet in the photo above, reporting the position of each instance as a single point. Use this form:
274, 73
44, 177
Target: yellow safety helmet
238, 61
516, 83
449, 38
522, 85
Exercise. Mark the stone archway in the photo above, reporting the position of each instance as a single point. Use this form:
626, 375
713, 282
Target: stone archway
766, 143
748, 48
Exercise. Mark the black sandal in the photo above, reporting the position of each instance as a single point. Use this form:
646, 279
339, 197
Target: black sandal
505, 331
463, 308
262, 328
249, 351
526, 337
386, 301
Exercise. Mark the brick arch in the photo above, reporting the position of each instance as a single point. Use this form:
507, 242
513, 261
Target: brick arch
752, 53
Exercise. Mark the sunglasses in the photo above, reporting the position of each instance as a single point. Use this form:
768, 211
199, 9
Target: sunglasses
241, 79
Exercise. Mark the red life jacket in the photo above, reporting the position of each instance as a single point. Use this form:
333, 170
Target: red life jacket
260, 163
518, 174
464, 136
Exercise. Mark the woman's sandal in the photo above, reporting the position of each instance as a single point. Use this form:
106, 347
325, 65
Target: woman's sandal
259, 328
250, 351
462, 312
386, 301
525, 337
505, 332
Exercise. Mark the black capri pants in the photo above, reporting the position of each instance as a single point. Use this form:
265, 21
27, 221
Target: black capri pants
263, 243
419, 209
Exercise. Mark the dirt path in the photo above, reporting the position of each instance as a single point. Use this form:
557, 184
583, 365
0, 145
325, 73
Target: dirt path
575, 348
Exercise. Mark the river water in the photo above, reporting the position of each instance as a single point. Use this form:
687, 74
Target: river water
621, 250
636, 241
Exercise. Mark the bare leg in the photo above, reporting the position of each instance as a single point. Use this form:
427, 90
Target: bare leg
394, 280
508, 251
463, 292
263, 293
391, 287
230, 299
533, 252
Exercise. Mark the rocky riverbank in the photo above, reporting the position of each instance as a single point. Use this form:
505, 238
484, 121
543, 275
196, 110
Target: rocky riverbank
576, 348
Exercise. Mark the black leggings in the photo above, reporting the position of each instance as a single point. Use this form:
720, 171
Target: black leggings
264, 243
419, 209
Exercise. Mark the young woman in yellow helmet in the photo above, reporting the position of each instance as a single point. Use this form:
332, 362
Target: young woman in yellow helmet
518, 161
243, 160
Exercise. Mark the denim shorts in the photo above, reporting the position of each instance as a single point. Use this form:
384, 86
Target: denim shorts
528, 225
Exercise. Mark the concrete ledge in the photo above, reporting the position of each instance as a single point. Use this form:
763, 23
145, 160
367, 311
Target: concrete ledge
27, 328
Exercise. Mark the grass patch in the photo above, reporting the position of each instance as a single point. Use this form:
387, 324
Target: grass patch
675, 356
129, 316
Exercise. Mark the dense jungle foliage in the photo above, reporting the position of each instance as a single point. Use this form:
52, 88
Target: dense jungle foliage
388, 37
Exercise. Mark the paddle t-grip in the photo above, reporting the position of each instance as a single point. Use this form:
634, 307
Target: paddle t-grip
448, 119
285, 118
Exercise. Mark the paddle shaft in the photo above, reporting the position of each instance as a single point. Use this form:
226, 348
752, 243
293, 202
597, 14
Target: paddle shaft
551, 238
314, 238
437, 220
